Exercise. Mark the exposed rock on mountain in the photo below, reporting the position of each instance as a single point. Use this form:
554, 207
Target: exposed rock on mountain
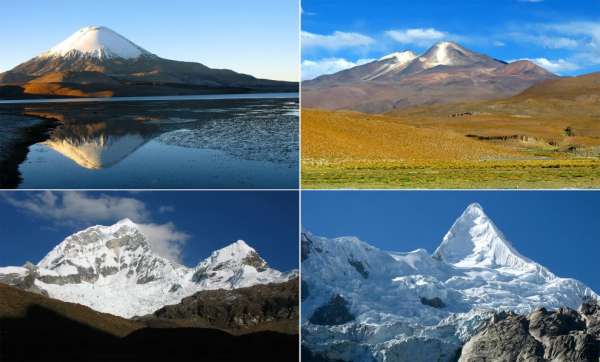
333, 313
260, 307
113, 269
446, 73
96, 61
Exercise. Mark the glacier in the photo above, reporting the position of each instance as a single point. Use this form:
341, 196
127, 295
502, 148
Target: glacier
413, 306
113, 269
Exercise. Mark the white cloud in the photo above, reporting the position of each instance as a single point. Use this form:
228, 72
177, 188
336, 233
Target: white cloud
498, 43
589, 33
531, 1
74, 206
337, 40
418, 36
79, 209
314, 68
546, 41
555, 66
165, 240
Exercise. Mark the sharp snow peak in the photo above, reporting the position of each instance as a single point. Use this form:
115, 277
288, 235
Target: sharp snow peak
475, 241
97, 42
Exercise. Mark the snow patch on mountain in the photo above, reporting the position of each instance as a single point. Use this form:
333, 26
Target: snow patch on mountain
420, 307
113, 269
392, 63
97, 42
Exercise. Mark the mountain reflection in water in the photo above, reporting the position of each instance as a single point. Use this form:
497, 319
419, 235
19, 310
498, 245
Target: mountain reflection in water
102, 144
250, 143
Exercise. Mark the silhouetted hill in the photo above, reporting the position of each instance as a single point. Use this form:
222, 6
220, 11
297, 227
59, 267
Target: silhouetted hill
37, 328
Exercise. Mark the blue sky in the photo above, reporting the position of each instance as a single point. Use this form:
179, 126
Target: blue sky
557, 229
256, 37
562, 36
185, 226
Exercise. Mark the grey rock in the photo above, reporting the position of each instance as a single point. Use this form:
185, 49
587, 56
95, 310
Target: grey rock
360, 268
333, 313
434, 302
562, 335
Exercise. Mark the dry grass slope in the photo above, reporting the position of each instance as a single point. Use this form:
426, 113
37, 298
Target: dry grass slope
429, 148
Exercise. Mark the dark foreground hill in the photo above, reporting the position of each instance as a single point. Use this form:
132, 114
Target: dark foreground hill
37, 328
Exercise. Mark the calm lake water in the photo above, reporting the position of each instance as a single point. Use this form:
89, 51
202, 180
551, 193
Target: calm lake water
233, 141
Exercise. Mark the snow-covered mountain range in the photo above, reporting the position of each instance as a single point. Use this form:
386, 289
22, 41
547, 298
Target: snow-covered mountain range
113, 269
361, 303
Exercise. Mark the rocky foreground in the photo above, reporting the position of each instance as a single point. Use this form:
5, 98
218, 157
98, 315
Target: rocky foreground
562, 335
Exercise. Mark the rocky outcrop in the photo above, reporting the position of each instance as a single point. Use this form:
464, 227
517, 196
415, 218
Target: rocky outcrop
261, 307
434, 302
562, 335
333, 313
360, 268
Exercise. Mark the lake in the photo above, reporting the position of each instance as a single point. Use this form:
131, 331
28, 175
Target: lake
244, 141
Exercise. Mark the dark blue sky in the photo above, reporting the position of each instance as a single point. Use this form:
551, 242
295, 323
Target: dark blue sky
267, 221
558, 229
563, 36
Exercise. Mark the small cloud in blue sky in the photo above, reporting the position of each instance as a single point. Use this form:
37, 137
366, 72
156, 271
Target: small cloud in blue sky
314, 68
335, 41
417, 36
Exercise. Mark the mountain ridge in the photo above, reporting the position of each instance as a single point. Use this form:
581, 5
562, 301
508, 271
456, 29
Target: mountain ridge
113, 269
445, 73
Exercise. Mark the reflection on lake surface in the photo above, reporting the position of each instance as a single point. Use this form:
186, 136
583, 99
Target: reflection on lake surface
100, 145
230, 143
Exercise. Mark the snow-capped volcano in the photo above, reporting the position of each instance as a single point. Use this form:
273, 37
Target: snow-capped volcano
97, 61
113, 269
361, 303
98, 42
445, 73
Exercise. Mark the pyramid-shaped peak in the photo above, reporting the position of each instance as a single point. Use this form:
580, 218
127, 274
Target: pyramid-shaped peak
98, 42
238, 249
475, 241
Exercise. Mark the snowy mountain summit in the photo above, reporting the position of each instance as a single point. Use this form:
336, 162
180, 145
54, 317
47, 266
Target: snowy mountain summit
113, 269
361, 303
97, 42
